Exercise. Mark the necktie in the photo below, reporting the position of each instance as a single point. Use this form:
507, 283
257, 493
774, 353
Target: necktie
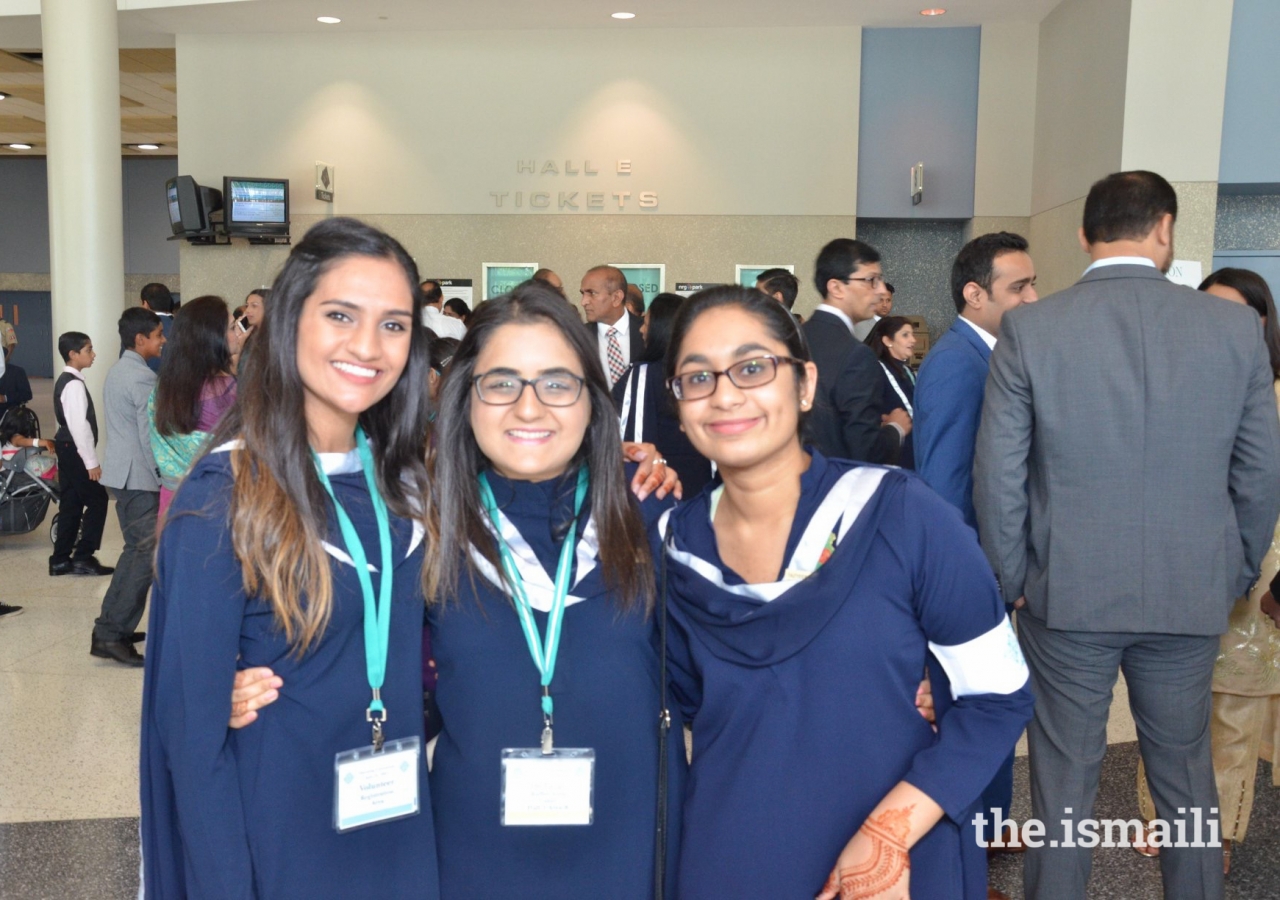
616, 363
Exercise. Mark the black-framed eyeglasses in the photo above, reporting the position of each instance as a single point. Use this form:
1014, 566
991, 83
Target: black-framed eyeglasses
872, 280
504, 389
748, 374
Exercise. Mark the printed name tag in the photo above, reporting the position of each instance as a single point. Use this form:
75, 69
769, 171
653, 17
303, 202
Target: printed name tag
548, 789
372, 787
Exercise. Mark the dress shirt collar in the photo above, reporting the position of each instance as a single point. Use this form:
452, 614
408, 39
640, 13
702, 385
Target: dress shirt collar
987, 337
1119, 261
838, 313
72, 370
623, 325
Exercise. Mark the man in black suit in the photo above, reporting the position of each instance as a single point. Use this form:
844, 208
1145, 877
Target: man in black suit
604, 296
847, 419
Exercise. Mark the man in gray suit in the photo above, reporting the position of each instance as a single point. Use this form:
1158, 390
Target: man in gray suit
1127, 482
129, 472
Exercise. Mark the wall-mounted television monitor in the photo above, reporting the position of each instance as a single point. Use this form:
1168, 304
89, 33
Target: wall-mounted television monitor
191, 207
256, 206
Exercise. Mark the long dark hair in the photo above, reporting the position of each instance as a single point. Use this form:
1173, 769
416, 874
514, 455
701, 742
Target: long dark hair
1253, 287
625, 560
196, 351
775, 317
460, 308
887, 327
662, 313
278, 506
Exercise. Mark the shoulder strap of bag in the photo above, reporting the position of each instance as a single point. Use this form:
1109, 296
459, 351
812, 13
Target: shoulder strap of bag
664, 727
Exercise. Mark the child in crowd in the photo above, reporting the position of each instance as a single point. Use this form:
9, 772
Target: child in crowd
82, 509
130, 474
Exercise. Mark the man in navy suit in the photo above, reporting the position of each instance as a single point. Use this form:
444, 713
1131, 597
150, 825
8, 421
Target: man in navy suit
991, 275
848, 420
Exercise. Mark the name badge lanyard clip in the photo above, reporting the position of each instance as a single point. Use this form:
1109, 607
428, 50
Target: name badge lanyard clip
377, 614
543, 651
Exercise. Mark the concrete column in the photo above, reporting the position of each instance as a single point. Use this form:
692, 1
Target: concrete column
86, 215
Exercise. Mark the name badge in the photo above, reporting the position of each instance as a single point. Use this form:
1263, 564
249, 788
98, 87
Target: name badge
554, 788
373, 786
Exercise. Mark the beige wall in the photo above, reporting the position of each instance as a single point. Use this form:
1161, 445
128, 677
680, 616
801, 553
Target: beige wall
1006, 119
431, 123
980, 225
1175, 87
1079, 122
1055, 246
694, 248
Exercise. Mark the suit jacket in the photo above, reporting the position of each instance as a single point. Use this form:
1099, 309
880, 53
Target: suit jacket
948, 403
130, 464
1127, 476
846, 411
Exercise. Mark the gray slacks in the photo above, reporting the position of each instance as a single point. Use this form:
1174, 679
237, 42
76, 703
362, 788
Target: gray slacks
1072, 675
126, 597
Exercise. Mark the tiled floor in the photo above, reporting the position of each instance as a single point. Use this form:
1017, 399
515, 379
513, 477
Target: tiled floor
69, 735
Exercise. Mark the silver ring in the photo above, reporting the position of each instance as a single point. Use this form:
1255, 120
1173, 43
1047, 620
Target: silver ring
660, 462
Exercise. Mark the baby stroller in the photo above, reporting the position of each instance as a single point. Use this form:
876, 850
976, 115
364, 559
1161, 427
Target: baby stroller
27, 485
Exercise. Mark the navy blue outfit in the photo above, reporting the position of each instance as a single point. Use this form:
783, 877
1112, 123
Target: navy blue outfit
803, 707
249, 813
661, 425
606, 693
948, 402
890, 400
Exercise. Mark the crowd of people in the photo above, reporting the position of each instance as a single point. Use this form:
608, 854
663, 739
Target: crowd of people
582, 538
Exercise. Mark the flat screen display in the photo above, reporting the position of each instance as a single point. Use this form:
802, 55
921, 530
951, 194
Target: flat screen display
256, 201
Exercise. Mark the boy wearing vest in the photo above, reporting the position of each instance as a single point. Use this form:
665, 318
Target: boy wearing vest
82, 507
130, 474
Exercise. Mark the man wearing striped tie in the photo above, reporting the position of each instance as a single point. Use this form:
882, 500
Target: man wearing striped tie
604, 294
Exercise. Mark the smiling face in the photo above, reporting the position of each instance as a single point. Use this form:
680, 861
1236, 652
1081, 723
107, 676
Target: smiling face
902, 344
149, 346
353, 344
528, 440
739, 428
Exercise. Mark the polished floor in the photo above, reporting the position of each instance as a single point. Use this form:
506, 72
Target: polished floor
69, 736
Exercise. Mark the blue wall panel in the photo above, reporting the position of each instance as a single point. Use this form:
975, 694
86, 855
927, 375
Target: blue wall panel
1251, 116
24, 216
919, 103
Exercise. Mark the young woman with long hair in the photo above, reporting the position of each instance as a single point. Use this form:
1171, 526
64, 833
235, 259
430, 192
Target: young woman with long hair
195, 390
296, 543
807, 595
541, 545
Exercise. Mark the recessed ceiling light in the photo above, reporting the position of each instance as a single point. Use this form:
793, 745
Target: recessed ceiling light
933, 12
624, 15
3, 96
147, 146
328, 20
19, 146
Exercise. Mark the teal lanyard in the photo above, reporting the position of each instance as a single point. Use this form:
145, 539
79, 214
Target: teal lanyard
543, 653
377, 615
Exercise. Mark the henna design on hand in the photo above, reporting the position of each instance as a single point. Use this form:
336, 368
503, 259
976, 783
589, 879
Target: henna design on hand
888, 860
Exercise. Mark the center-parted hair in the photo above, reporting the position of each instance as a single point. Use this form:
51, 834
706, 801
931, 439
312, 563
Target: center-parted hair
775, 318
461, 520
279, 509
1125, 206
196, 351
976, 262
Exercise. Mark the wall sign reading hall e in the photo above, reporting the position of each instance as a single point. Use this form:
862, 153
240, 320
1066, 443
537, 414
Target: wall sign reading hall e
589, 197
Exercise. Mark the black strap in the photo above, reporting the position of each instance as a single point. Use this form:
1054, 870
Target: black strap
664, 726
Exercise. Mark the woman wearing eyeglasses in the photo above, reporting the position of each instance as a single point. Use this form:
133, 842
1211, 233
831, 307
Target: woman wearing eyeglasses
540, 590
807, 596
